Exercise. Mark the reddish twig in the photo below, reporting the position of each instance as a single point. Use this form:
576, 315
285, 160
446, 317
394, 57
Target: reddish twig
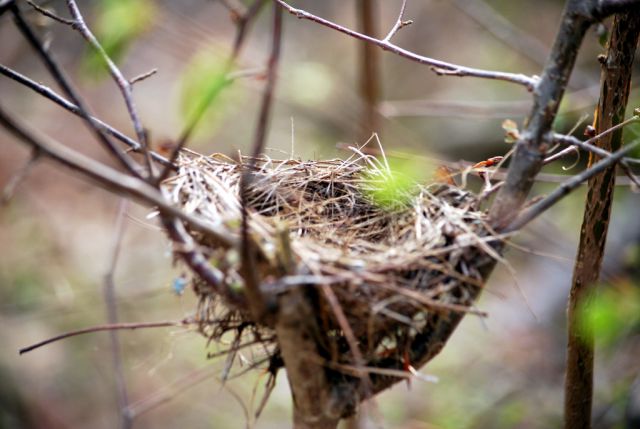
143, 76
108, 327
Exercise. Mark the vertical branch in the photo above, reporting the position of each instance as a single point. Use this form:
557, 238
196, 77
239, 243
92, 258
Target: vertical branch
112, 318
242, 25
614, 94
548, 93
369, 64
249, 268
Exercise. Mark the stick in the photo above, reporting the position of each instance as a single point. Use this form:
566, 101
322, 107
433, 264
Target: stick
437, 66
107, 327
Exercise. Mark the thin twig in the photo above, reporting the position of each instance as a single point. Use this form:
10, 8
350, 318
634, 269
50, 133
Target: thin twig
502, 29
241, 31
122, 83
112, 317
252, 282
50, 14
61, 79
48, 93
242, 26
400, 23
143, 76
18, 176
111, 179
107, 327
586, 145
439, 67
578, 16
566, 187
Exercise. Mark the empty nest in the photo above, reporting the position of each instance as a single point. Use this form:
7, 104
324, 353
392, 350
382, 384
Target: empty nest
404, 265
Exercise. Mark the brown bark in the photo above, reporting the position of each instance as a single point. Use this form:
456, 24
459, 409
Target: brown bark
369, 70
616, 80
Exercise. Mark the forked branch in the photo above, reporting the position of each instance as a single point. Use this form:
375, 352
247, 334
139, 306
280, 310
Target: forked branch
437, 66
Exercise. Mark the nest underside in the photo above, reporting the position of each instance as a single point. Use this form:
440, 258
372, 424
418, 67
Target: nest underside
399, 264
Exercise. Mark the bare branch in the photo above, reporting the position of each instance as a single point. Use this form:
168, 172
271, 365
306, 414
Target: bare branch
122, 83
48, 93
111, 179
107, 327
529, 154
50, 14
109, 289
143, 76
569, 185
522, 42
64, 83
255, 298
588, 146
243, 23
400, 23
18, 176
437, 66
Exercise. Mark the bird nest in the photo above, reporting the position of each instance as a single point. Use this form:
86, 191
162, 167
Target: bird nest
391, 272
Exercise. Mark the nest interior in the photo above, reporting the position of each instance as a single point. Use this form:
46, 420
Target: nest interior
404, 267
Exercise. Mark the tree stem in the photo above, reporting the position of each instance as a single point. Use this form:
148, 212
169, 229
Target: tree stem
614, 94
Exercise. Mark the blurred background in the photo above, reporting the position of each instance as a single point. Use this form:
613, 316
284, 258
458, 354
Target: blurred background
57, 232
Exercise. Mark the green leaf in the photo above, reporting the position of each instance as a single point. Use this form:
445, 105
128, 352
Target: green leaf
118, 24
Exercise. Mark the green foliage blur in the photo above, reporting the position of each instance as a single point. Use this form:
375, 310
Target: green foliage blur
118, 23
392, 183
612, 313
203, 81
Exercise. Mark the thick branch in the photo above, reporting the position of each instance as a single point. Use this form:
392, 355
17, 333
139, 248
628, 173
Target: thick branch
369, 65
531, 148
616, 82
